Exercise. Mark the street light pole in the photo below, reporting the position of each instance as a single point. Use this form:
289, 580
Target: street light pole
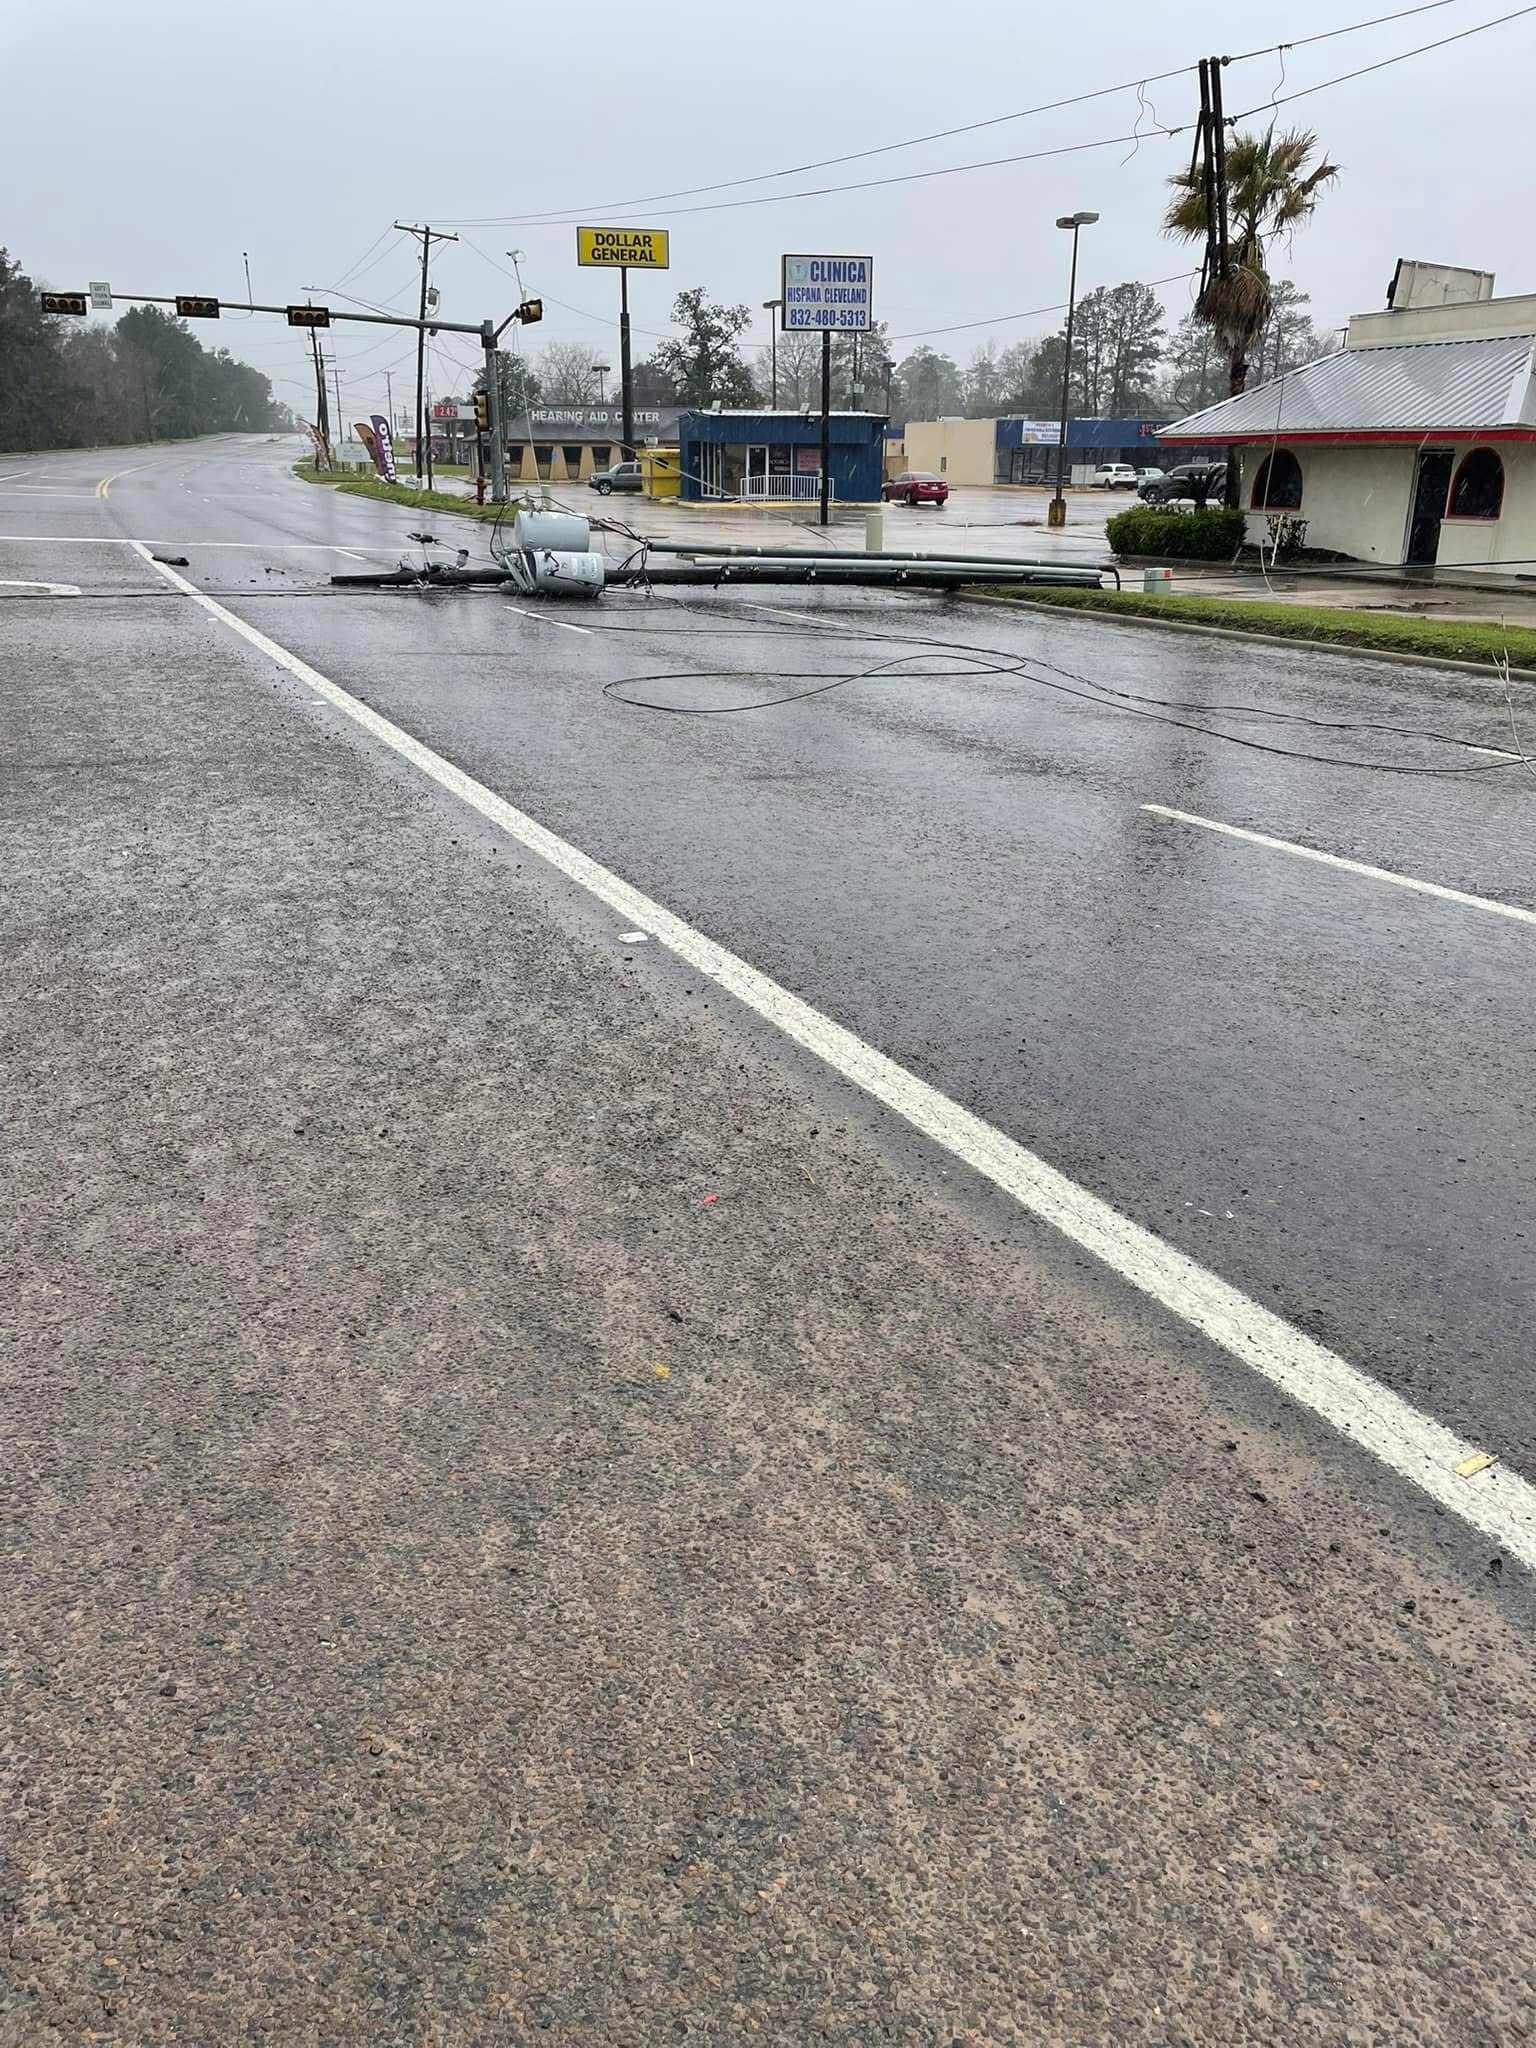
1057, 515
772, 306
601, 370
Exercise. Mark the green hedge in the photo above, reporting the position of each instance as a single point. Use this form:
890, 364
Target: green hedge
1214, 535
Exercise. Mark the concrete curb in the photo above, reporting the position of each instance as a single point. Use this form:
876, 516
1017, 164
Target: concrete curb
1115, 618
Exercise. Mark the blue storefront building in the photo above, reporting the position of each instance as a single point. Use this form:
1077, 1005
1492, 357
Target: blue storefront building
1025, 450
775, 457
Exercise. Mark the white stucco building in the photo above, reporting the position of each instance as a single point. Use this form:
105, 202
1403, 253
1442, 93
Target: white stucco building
1415, 443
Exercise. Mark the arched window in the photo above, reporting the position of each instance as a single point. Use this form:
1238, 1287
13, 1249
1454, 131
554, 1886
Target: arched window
1477, 490
1277, 487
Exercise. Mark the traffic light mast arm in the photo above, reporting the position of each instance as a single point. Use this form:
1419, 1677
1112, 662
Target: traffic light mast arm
369, 319
529, 311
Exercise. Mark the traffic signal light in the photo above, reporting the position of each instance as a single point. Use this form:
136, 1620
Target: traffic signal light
309, 316
197, 309
529, 311
64, 302
482, 410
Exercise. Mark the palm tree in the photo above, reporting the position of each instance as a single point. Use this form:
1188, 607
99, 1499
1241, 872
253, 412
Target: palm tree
1272, 187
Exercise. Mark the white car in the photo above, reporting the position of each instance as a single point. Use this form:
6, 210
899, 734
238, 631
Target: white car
1115, 476
1150, 475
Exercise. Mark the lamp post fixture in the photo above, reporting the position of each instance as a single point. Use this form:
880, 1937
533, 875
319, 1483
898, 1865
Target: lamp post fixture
1057, 515
601, 370
772, 306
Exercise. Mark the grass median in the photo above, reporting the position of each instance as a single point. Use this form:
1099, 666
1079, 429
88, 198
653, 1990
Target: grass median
356, 486
1480, 640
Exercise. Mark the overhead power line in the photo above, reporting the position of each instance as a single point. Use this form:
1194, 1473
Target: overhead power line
362, 266
555, 216
1033, 313
1364, 70
1068, 148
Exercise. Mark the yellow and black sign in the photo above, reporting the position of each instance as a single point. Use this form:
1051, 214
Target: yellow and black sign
197, 309
625, 248
309, 316
64, 302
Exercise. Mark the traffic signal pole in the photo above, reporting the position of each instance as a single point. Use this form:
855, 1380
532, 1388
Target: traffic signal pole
493, 406
311, 316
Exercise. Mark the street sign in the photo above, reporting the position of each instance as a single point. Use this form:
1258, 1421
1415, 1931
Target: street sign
309, 316
64, 302
629, 248
101, 298
197, 309
827, 292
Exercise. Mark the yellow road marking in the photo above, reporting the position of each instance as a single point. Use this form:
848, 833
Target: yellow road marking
108, 481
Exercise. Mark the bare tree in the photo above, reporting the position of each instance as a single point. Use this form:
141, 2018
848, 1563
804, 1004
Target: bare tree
565, 374
799, 371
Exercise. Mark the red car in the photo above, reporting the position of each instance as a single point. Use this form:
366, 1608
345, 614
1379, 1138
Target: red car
916, 487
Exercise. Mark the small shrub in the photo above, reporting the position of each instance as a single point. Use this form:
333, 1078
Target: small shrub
1287, 534
1214, 535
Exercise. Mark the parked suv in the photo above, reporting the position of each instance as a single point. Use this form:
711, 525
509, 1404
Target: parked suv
624, 476
1189, 480
1114, 476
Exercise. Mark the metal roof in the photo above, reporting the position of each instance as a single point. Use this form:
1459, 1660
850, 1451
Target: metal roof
1399, 387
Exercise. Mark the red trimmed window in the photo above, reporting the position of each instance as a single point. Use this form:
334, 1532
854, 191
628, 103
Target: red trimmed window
1477, 489
1277, 487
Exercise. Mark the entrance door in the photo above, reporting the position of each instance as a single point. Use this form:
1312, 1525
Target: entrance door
1431, 484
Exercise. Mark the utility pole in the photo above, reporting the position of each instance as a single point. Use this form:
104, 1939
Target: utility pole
322, 410
773, 306
1217, 142
341, 424
826, 425
389, 402
427, 236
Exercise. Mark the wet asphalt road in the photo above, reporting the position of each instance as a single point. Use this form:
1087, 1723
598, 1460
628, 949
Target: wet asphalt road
1316, 1085
946, 1646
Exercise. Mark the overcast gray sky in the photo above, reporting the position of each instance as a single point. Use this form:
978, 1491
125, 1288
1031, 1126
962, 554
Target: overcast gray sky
149, 142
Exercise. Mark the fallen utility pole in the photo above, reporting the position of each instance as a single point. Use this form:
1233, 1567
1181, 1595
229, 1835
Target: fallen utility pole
860, 570
747, 551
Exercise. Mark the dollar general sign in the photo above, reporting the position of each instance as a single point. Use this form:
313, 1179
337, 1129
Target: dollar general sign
633, 248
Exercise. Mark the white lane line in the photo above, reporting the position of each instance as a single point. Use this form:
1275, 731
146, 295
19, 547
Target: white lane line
544, 620
116, 540
1350, 867
29, 491
32, 583
1497, 1502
